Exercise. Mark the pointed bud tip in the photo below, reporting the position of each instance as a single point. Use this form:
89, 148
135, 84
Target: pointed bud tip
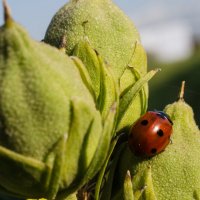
128, 173
63, 42
7, 12
181, 94
158, 69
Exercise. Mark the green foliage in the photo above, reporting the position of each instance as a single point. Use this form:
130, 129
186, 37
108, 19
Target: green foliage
50, 129
100, 27
108, 30
61, 117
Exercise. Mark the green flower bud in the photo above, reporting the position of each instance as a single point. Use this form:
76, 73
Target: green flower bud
112, 34
136, 70
52, 137
172, 174
128, 188
109, 31
100, 75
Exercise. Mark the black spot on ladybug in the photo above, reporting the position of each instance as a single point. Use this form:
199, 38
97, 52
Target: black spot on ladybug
160, 133
153, 151
144, 122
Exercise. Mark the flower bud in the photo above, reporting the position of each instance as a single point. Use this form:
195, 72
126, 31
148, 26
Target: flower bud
113, 35
52, 137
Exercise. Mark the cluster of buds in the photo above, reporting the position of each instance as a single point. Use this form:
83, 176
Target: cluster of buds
65, 101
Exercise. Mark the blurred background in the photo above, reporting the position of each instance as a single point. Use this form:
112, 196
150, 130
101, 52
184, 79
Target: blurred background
170, 33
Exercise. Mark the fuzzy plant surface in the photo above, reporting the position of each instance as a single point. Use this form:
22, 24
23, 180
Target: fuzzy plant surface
52, 137
98, 28
171, 175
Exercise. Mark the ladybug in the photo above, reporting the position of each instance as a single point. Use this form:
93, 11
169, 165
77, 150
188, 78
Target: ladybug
150, 134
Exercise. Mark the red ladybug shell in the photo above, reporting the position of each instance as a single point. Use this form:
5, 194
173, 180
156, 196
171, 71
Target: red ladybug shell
150, 134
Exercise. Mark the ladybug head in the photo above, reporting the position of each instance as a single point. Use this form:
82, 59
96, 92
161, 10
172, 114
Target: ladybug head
164, 116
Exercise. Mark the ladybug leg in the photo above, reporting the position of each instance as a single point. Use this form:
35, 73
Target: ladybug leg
171, 141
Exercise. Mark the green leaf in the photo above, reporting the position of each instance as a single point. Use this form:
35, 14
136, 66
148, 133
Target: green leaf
143, 185
143, 92
83, 141
108, 89
108, 185
128, 95
84, 75
104, 144
97, 76
14, 162
86, 53
128, 187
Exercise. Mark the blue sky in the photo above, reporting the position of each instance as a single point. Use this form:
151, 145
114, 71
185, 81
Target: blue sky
151, 17
36, 15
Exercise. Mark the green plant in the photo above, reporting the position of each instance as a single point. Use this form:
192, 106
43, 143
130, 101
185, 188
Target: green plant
51, 134
62, 116
102, 36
